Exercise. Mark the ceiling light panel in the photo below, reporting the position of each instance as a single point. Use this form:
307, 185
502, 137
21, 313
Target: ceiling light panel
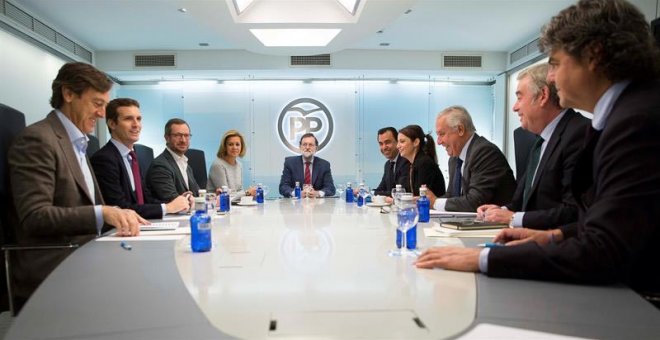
288, 37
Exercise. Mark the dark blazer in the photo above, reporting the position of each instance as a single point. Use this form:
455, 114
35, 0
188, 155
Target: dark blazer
402, 168
425, 170
53, 205
551, 202
487, 177
294, 171
165, 181
616, 184
115, 183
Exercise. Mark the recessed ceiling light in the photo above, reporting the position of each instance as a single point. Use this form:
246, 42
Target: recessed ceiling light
350, 5
241, 5
379, 31
384, 44
183, 10
203, 44
407, 11
295, 36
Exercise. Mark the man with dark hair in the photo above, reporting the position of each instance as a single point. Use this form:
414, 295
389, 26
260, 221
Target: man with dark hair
478, 170
603, 60
543, 198
169, 174
313, 173
396, 169
117, 168
55, 192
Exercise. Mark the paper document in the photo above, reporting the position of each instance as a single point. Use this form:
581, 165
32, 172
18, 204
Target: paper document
490, 331
159, 226
169, 237
437, 231
438, 213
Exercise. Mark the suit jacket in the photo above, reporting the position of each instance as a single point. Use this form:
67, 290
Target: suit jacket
486, 178
165, 181
294, 171
53, 205
616, 184
425, 170
401, 173
551, 202
115, 183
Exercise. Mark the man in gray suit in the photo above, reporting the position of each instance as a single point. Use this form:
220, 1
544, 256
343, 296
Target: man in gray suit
478, 171
55, 192
169, 174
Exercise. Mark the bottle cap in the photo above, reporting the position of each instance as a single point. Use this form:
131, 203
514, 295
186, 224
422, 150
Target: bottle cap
202, 192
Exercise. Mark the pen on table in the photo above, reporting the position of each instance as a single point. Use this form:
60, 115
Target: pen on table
490, 245
125, 245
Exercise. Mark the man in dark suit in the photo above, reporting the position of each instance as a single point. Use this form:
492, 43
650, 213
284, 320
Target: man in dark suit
116, 165
604, 60
478, 171
396, 168
169, 174
307, 170
543, 198
56, 195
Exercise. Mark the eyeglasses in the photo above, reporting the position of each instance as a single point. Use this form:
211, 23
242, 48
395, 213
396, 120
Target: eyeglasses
181, 135
308, 145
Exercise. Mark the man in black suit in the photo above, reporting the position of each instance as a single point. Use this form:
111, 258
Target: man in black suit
543, 198
117, 168
396, 168
603, 60
307, 170
169, 174
478, 171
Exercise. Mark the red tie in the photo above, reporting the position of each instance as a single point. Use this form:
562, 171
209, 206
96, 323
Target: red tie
135, 169
308, 174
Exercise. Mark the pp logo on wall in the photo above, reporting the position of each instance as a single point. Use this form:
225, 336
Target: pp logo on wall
301, 116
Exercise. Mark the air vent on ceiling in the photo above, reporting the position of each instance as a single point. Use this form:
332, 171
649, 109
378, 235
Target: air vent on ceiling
155, 60
462, 61
30, 23
531, 49
311, 60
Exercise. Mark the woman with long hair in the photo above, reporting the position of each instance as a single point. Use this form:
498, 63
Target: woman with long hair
419, 150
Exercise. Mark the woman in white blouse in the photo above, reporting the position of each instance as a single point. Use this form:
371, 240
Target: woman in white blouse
227, 169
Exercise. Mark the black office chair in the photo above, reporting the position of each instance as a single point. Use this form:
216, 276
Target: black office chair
13, 122
145, 156
197, 162
93, 145
523, 141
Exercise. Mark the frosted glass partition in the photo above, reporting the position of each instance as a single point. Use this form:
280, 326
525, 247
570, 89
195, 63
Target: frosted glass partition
358, 109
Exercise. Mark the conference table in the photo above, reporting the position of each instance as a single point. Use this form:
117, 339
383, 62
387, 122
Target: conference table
310, 268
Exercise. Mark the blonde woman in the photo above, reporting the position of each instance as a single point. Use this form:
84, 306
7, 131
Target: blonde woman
226, 168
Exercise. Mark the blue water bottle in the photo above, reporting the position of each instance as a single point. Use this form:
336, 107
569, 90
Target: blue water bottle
349, 193
200, 227
224, 200
297, 191
423, 205
361, 192
260, 194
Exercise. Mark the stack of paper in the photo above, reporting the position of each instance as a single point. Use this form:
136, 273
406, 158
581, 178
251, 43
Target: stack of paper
437, 231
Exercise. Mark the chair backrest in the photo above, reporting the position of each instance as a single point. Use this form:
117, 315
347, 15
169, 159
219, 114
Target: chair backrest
197, 162
523, 141
13, 122
145, 156
93, 145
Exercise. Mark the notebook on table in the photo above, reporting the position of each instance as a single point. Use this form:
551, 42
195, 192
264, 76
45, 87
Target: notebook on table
471, 224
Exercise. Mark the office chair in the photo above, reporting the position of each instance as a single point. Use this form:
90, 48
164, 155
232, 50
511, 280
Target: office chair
145, 156
523, 141
93, 145
197, 162
13, 122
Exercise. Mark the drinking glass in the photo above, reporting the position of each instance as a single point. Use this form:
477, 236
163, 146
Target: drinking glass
364, 192
266, 190
340, 191
307, 188
406, 217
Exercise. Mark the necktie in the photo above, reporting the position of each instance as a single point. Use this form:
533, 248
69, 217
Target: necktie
135, 169
533, 162
393, 175
458, 178
308, 174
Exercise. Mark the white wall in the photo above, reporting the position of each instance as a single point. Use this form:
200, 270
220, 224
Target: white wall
26, 73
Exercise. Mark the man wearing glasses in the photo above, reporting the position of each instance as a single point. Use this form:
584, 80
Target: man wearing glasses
313, 173
169, 174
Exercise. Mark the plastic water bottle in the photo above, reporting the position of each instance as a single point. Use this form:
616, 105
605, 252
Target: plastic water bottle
349, 193
423, 205
224, 200
361, 192
200, 227
297, 190
260, 194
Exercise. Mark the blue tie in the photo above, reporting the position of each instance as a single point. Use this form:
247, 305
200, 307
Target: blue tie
458, 178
